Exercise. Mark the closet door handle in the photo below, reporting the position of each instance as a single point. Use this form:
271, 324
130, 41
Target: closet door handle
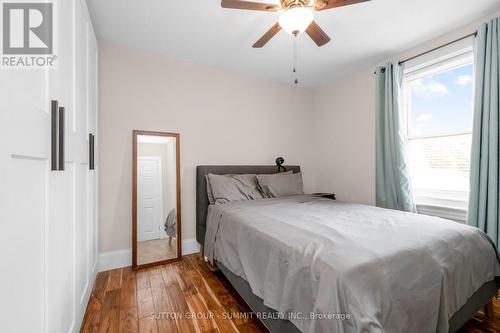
53, 135
61, 139
91, 152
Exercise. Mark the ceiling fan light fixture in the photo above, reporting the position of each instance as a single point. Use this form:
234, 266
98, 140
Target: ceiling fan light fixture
296, 20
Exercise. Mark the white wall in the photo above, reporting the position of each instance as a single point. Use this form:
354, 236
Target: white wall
344, 127
222, 118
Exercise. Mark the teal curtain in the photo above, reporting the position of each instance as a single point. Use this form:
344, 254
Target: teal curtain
484, 174
393, 187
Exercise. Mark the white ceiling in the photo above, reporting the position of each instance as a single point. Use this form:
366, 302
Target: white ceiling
202, 32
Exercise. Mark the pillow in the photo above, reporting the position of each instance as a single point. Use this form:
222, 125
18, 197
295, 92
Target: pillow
281, 185
227, 188
210, 194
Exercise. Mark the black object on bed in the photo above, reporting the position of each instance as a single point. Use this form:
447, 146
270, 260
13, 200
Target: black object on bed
475, 302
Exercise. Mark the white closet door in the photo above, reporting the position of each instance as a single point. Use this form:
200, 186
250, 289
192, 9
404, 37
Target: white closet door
26, 199
60, 270
93, 129
82, 260
24, 166
47, 216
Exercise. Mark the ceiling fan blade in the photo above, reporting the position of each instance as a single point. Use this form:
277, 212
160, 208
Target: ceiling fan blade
329, 4
267, 36
235, 4
317, 34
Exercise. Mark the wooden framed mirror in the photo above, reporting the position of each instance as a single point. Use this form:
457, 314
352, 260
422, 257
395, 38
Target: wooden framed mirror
156, 199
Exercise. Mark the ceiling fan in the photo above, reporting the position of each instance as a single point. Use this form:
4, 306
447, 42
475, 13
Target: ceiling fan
297, 16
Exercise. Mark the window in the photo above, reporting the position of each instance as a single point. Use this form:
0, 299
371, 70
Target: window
438, 99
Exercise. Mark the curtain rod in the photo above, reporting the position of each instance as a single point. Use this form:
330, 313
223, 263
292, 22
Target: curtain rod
474, 34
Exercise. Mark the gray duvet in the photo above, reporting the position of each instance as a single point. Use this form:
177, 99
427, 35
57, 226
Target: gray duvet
389, 271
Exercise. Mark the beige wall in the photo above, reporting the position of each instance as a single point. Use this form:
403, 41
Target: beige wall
226, 118
344, 125
222, 118
344, 122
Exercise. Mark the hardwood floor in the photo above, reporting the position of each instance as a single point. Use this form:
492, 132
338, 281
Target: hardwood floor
156, 250
480, 324
144, 301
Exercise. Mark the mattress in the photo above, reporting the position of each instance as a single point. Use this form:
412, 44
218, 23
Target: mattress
329, 266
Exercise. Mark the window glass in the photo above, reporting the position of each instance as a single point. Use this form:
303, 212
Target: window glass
442, 103
439, 112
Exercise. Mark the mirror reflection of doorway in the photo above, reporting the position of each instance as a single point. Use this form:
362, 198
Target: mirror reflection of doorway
156, 230
149, 198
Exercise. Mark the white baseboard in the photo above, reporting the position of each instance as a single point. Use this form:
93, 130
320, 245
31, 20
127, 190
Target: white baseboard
190, 246
123, 258
115, 259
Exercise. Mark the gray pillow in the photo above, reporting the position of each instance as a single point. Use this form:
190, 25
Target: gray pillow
281, 185
210, 194
227, 188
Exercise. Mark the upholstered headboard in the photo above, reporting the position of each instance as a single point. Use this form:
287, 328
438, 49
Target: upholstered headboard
201, 187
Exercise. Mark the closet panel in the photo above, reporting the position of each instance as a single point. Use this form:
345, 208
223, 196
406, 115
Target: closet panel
85, 207
62, 215
49, 218
23, 201
93, 129
24, 197
60, 273
82, 235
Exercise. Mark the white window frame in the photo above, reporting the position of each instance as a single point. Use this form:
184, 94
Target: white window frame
445, 59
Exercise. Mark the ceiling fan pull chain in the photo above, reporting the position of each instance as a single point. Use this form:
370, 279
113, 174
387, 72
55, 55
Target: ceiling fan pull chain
295, 59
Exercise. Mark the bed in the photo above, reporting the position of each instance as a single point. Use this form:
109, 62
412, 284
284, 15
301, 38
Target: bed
339, 259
